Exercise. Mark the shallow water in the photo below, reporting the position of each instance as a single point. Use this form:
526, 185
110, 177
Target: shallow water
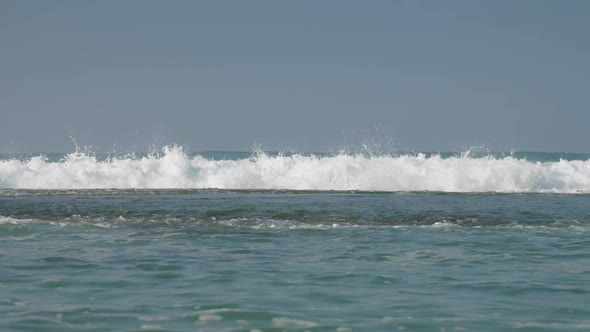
248, 260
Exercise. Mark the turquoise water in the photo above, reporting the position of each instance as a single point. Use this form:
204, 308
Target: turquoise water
241, 259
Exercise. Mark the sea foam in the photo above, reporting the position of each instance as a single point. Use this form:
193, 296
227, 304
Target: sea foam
412, 172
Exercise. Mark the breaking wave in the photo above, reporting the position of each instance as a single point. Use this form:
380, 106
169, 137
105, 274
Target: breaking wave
412, 172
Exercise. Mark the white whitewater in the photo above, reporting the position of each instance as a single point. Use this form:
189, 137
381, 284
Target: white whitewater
175, 169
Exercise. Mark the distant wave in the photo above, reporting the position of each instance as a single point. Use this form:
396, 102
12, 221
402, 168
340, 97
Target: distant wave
412, 172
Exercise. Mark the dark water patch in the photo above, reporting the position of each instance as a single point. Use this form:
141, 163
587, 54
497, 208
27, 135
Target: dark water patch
356, 209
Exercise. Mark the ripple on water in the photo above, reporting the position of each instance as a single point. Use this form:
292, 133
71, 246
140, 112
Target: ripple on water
209, 318
285, 322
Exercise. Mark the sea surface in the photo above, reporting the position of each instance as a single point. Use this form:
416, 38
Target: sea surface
240, 241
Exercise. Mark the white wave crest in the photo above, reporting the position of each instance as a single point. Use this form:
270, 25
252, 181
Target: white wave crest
175, 169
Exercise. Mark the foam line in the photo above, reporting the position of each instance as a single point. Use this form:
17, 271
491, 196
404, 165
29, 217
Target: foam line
175, 169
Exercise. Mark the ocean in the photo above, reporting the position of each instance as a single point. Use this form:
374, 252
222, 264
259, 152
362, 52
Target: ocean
255, 241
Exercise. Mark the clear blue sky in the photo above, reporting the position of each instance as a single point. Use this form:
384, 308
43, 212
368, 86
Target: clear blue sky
303, 75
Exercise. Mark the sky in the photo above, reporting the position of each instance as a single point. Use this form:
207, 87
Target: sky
295, 75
